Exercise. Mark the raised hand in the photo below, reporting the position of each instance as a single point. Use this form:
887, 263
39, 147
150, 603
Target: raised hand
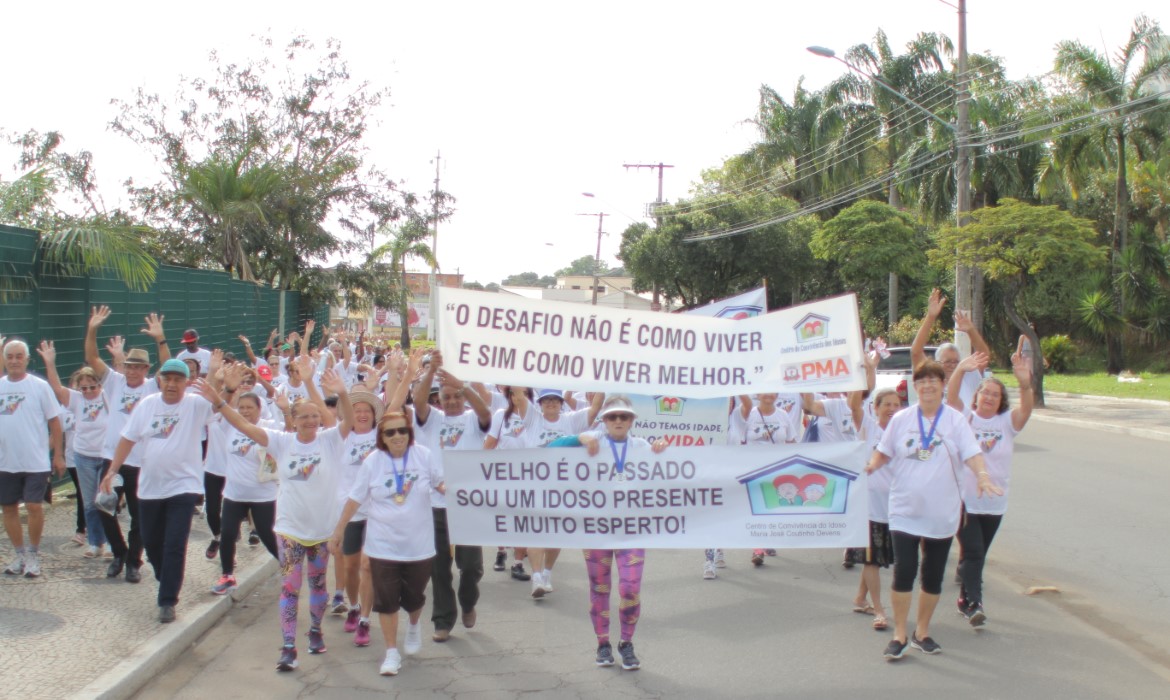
937, 303
207, 391
47, 352
216, 362
116, 346
332, 382
963, 322
1022, 364
974, 361
98, 316
154, 327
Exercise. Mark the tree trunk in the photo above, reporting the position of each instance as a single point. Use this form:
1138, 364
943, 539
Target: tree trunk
1114, 351
1037, 354
893, 307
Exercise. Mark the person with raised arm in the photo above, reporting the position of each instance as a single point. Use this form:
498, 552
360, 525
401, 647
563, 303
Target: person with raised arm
947, 354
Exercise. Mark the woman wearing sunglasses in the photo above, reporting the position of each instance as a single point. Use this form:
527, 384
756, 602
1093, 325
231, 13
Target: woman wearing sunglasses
394, 488
617, 414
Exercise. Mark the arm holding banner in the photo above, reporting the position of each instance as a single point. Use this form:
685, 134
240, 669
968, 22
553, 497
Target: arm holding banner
745, 406
595, 405
482, 412
422, 389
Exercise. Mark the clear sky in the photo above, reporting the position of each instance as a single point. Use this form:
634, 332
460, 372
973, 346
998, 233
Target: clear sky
530, 103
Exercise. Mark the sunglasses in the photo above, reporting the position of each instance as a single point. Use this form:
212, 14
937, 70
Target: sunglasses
391, 432
619, 416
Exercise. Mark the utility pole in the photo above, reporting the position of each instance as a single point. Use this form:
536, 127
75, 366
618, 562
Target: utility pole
967, 279
657, 203
597, 257
433, 302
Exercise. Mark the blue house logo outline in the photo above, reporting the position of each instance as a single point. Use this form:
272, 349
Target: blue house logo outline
729, 311
811, 327
765, 500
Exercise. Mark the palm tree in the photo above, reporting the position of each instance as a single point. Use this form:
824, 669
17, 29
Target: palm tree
1123, 89
406, 241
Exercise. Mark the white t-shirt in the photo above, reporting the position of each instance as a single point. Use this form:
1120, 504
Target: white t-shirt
357, 448
90, 418
121, 400
443, 432
878, 483
242, 463
837, 423
924, 495
216, 460
791, 405
997, 438
775, 429
26, 407
307, 508
398, 532
543, 431
509, 435
202, 355
172, 437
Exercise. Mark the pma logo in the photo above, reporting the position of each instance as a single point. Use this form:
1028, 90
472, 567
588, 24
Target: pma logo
668, 405
798, 486
811, 327
739, 312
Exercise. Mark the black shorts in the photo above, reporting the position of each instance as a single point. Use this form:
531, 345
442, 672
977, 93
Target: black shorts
399, 584
354, 538
29, 487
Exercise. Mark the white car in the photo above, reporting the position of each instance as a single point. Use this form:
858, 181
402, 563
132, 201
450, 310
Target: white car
896, 371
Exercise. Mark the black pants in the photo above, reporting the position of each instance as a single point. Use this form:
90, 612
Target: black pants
213, 503
128, 550
234, 512
469, 560
934, 562
166, 527
975, 536
79, 499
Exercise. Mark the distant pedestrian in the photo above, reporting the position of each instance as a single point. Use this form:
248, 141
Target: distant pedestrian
192, 351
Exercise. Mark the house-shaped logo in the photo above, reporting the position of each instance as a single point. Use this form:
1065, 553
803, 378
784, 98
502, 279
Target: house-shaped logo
798, 486
669, 405
739, 311
811, 327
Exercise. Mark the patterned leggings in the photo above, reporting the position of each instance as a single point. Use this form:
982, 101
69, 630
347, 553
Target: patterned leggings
293, 557
599, 564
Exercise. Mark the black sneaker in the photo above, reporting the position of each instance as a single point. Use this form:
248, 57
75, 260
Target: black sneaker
926, 645
288, 659
316, 641
894, 650
629, 661
976, 617
253, 539
133, 573
166, 613
212, 549
501, 561
604, 654
518, 572
963, 608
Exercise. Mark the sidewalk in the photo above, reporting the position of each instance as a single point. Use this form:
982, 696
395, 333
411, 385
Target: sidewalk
75, 633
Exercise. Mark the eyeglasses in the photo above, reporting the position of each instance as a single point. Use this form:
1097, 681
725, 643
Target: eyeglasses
619, 416
391, 432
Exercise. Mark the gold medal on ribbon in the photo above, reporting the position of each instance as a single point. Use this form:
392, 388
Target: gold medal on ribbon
399, 498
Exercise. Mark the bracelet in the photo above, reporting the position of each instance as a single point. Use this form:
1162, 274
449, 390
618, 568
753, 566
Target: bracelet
1026, 388
163, 341
983, 474
229, 391
220, 405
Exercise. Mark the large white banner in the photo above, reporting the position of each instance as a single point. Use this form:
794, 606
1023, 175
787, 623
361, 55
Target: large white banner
420, 315
746, 305
759, 496
511, 340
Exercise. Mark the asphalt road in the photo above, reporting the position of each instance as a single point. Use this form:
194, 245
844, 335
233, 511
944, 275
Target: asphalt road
1088, 517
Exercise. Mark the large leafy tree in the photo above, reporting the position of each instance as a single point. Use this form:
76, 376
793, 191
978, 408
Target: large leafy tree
406, 241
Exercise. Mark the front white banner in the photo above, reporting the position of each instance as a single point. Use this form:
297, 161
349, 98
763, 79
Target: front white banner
502, 339
785, 496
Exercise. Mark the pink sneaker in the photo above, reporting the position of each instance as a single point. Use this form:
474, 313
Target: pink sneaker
362, 637
351, 620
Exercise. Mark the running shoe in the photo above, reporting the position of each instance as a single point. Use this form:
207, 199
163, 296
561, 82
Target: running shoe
16, 568
770, 552
961, 605
338, 606
546, 580
894, 650
391, 663
361, 638
253, 539
537, 585
212, 549
166, 614
94, 551
629, 661
709, 571
758, 558
519, 573
226, 584
720, 561
976, 617
317, 641
501, 561
351, 620
413, 642
604, 654
288, 658
926, 645
32, 565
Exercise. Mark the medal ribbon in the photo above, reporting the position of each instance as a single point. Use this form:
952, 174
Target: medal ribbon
924, 437
399, 476
619, 462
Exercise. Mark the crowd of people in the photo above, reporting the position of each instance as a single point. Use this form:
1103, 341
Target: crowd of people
334, 451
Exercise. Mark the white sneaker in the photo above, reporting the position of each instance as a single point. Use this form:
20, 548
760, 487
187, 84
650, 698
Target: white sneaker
709, 570
537, 584
392, 663
546, 580
720, 562
16, 568
413, 642
32, 565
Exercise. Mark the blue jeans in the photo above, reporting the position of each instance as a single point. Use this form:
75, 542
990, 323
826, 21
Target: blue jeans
166, 526
89, 471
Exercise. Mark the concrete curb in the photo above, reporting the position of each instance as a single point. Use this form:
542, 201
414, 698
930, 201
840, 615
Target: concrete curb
1107, 399
127, 677
1147, 433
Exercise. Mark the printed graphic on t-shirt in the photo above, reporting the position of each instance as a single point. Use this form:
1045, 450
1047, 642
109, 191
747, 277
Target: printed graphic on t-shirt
91, 409
9, 403
301, 468
449, 435
359, 452
129, 401
764, 431
163, 426
785, 404
408, 480
915, 444
546, 436
988, 438
241, 445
